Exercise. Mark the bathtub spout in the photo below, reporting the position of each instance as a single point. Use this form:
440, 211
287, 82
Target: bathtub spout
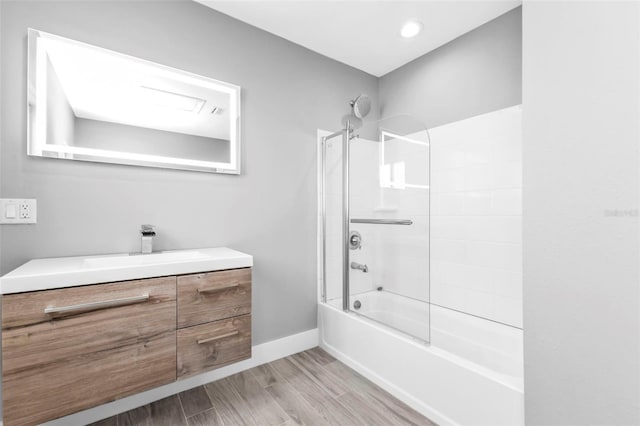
361, 267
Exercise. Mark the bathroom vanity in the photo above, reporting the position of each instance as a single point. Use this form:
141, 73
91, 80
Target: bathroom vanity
79, 332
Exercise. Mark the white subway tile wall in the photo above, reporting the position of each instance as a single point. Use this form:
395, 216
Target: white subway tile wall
476, 216
464, 251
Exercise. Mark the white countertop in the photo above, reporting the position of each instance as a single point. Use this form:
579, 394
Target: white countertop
45, 274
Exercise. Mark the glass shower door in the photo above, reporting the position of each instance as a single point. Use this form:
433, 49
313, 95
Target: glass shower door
388, 238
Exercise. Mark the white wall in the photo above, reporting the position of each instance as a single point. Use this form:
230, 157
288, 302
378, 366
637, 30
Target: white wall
476, 223
580, 191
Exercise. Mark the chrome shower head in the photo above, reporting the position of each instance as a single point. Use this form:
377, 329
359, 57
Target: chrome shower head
361, 106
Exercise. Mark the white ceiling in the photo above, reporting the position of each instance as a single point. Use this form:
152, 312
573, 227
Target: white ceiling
365, 33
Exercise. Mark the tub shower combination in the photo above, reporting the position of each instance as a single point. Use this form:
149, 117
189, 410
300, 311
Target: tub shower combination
386, 309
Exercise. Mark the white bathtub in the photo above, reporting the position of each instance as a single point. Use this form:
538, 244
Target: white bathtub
470, 374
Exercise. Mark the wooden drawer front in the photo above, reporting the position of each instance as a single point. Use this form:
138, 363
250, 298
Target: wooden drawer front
213, 296
58, 364
208, 346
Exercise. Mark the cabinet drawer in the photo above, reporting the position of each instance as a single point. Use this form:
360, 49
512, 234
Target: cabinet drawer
213, 296
96, 344
208, 346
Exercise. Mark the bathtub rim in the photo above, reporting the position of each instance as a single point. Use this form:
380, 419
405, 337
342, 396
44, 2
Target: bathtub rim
378, 322
407, 338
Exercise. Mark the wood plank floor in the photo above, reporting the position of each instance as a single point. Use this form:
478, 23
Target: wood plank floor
308, 388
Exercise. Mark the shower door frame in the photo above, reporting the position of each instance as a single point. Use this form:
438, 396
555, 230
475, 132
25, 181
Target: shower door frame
346, 134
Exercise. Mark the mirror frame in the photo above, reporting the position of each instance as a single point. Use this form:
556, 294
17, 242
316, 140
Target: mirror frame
36, 123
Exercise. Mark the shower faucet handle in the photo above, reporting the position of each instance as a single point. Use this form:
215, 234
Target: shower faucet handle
355, 240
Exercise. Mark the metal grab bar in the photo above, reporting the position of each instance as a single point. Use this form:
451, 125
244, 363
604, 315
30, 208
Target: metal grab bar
97, 305
215, 338
384, 221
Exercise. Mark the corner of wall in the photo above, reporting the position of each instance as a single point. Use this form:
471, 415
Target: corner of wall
1, 138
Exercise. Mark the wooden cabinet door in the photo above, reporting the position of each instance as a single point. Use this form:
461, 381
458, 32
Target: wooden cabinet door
213, 296
212, 345
95, 344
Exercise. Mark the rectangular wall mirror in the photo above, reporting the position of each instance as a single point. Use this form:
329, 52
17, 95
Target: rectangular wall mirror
92, 104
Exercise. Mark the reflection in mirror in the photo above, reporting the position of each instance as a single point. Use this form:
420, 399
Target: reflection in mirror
403, 160
89, 103
404, 154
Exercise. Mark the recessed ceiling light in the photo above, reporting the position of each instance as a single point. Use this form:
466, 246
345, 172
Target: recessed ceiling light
411, 29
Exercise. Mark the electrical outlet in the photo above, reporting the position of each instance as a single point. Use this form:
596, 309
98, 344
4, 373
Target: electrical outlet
25, 211
18, 211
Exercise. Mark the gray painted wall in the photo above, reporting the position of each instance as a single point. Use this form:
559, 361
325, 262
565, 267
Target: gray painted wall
479, 72
269, 211
581, 295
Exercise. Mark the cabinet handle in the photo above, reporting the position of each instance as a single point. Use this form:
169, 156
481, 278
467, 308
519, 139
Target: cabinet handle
92, 306
215, 338
214, 289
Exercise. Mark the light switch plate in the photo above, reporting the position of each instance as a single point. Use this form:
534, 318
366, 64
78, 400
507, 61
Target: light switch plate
18, 211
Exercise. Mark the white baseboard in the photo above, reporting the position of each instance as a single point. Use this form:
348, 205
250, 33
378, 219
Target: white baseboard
263, 353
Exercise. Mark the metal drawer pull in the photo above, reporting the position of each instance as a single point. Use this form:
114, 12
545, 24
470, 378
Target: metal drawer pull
97, 305
214, 289
214, 338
